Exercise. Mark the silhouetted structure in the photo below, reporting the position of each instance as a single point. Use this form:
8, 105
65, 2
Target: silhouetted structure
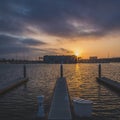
60, 59
100, 60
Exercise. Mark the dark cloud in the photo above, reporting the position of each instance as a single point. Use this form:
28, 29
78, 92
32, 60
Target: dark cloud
57, 51
16, 45
12, 46
7, 40
54, 16
32, 42
66, 51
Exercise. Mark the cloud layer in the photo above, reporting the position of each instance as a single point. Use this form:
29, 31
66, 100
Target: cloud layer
61, 18
14, 45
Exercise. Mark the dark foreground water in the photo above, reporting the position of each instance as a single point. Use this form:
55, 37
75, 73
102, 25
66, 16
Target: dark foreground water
21, 103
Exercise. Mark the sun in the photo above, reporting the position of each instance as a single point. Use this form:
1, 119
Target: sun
77, 53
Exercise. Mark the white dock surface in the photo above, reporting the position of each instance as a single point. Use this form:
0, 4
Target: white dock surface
60, 107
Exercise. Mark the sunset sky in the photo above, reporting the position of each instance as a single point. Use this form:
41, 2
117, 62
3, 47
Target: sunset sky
32, 28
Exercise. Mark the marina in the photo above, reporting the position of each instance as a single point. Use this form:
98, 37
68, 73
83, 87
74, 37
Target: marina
59, 60
21, 103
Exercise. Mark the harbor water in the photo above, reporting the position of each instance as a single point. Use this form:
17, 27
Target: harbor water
21, 102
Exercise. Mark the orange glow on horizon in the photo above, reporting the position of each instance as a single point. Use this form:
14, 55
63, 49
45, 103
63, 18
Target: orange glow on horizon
79, 46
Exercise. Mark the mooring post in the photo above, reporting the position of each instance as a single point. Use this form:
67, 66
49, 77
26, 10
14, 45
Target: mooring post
40, 113
24, 71
61, 70
99, 71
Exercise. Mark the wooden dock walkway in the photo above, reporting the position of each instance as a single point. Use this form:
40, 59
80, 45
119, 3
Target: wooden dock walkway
111, 83
60, 107
12, 84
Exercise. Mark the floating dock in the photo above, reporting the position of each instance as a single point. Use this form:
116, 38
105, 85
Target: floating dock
110, 83
12, 84
60, 107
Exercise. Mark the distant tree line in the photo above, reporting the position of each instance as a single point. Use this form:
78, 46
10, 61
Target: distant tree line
14, 61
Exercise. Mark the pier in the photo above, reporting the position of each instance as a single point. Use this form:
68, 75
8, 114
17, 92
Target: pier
5, 87
60, 107
112, 84
12, 84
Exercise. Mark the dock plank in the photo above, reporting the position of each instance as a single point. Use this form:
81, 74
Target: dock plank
60, 107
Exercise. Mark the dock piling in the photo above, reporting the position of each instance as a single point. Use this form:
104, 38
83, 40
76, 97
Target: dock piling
61, 70
99, 71
24, 71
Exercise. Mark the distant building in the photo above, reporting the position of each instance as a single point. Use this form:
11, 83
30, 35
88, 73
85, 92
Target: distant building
93, 57
100, 60
60, 59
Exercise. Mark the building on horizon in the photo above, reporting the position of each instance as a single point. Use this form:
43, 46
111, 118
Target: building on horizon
60, 59
100, 60
93, 57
